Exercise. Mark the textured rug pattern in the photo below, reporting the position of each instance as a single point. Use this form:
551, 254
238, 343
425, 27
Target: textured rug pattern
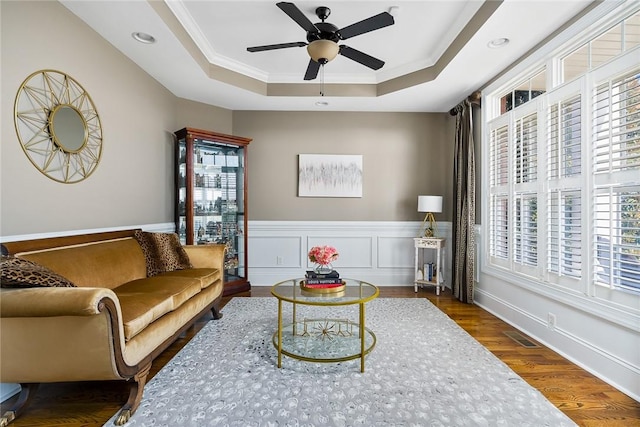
424, 371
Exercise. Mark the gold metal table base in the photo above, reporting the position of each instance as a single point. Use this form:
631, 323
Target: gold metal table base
324, 340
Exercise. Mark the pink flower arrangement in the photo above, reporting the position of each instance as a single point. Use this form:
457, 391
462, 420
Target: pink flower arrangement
323, 255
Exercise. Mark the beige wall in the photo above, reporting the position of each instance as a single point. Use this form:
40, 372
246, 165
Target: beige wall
132, 184
202, 116
404, 155
136, 115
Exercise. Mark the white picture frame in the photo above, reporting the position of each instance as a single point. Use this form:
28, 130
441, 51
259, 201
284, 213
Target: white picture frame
330, 175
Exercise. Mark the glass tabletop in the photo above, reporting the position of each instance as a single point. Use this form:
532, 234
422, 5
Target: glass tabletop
354, 292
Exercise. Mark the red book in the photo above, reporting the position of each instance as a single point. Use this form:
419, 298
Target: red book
323, 285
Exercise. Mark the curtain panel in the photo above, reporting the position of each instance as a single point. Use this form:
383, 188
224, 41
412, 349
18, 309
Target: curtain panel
464, 193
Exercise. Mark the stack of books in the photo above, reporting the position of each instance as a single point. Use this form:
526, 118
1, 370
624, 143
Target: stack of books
429, 271
327, 280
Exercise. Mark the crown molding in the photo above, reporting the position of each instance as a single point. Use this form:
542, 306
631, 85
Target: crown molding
217, 67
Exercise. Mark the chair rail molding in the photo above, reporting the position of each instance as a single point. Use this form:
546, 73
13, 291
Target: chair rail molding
166, 227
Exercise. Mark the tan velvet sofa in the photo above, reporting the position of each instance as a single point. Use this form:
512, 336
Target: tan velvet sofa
112, 324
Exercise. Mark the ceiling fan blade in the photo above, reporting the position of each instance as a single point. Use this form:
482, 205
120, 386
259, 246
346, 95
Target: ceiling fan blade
376, 22
362, 58
312, 70
275, 46
297, 15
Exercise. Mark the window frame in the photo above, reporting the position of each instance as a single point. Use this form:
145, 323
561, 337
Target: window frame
615, 305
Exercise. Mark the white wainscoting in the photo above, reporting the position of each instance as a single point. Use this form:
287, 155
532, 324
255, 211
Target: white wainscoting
379, 252
600, 345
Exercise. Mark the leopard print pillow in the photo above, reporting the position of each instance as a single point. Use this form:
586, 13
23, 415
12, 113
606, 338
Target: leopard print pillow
22, 273
162, 252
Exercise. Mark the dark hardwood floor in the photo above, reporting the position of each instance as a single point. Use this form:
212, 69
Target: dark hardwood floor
587, 400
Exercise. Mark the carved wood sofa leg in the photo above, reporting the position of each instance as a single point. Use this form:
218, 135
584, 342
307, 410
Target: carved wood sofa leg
26, 394
216, 313
136, 388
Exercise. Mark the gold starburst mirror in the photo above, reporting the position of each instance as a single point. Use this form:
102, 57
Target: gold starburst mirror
58, 126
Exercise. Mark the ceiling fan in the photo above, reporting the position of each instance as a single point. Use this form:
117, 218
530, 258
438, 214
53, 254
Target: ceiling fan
323, 38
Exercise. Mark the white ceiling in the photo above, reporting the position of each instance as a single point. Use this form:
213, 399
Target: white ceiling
201, 55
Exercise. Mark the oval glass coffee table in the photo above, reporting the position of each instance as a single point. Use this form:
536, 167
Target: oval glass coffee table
326, 339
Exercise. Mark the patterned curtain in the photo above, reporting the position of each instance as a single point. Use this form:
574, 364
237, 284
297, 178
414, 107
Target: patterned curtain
464, 208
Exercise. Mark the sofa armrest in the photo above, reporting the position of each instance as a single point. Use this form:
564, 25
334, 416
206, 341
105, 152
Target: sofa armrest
61, 334
44, 302
206, 256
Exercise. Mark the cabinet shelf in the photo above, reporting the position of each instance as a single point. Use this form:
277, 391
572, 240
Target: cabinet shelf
426, 282
211, 193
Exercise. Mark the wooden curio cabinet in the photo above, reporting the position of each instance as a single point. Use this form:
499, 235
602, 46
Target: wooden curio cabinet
211, 197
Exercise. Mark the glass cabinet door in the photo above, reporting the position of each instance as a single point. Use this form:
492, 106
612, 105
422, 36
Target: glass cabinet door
211, 206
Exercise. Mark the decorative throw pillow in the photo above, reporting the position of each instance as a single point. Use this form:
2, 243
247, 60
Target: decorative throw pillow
163, 252
22, 273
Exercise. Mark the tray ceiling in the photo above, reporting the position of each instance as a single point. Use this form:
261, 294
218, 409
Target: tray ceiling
435, 54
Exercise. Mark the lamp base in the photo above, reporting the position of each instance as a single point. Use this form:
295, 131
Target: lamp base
429, 231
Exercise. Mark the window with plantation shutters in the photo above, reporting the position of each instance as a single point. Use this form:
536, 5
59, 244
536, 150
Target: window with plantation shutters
616, 194
500, 156
526, 153
616, 251
564, 211
499, 244
564, 241
499, 178
561, 180
565, 143
616, 128
525, 230
525, 189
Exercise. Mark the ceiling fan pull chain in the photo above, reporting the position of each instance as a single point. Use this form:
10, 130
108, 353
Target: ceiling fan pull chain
322, 80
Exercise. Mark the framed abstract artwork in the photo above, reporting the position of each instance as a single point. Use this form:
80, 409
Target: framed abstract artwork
329, 175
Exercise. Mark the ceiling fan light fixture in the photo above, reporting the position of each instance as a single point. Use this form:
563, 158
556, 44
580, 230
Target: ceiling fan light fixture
323, 51
323, 38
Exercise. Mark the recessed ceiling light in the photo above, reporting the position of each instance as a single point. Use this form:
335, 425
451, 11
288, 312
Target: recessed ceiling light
322, 104
143, 37
499, 42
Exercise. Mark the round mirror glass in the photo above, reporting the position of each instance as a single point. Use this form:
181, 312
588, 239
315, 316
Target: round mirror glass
68, 128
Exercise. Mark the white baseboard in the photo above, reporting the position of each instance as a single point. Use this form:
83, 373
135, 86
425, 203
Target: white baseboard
579, 349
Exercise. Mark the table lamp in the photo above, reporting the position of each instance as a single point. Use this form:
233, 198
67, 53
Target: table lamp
430, 205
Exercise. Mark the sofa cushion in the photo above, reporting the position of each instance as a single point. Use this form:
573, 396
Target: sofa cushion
22, 273
145, 300
100, 264
162, 251
207, 276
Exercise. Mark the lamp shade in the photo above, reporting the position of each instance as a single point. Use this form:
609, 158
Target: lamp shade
323, 51
430, 204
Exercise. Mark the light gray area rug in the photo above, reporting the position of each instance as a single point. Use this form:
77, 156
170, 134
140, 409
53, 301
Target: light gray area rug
424, 371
